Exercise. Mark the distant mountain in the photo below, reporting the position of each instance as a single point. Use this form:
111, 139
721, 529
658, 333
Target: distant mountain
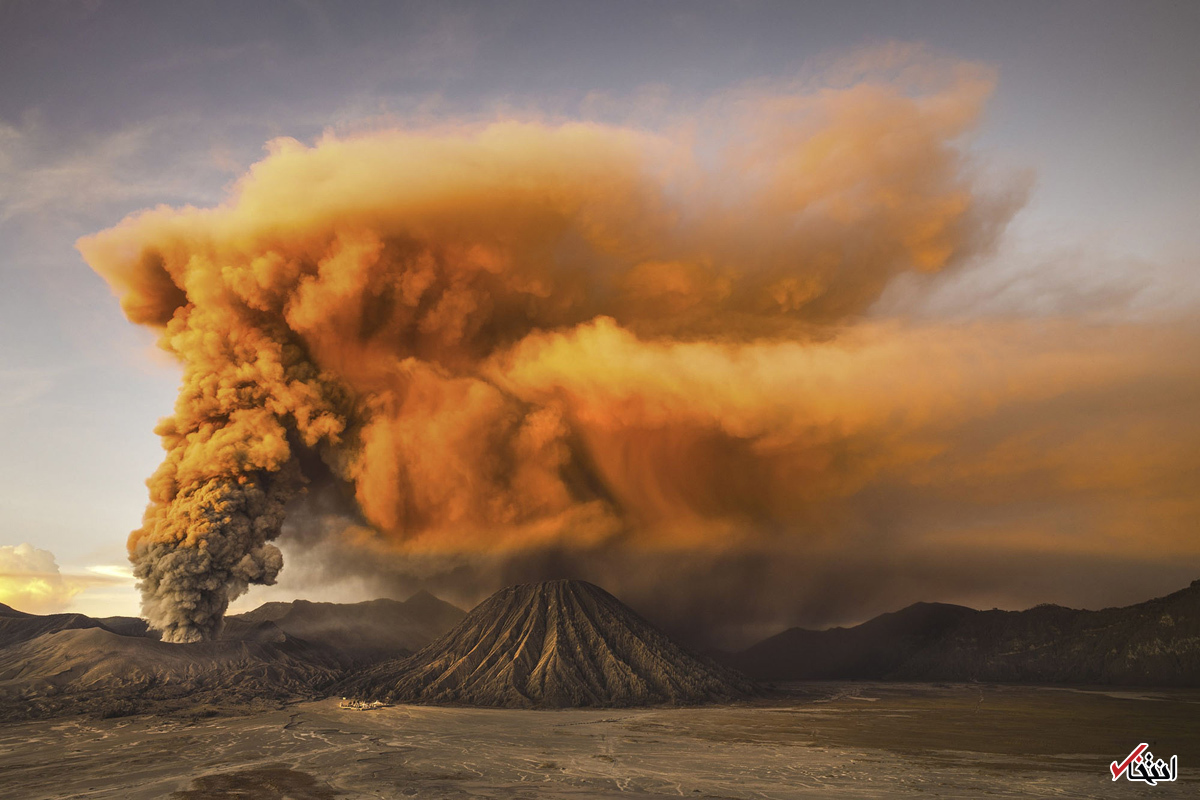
72, 663
555, 644
365, 631
17, 626
128, 626
92, 669
1156, 643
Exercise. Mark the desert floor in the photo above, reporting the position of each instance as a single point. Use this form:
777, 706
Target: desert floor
860, 740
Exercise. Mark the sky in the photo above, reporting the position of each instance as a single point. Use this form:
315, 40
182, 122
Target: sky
1065, 320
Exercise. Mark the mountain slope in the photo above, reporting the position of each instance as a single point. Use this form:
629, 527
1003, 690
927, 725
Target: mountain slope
95, 670
366, 631
873, 649
17, 626
71, 663
1152, 643
555, 644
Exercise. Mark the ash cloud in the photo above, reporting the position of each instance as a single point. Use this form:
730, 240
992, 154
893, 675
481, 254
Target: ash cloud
522, 348
998, 464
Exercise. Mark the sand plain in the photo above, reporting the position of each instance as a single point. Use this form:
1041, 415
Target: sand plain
818, 740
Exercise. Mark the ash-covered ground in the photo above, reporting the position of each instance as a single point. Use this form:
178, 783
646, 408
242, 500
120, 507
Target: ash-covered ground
819, 740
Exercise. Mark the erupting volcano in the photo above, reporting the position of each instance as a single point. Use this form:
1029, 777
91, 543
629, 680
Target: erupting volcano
516, 337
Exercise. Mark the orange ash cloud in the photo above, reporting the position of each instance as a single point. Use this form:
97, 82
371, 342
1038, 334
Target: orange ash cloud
520, 334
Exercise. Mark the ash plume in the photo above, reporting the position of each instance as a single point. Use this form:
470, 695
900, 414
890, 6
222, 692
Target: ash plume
526, 335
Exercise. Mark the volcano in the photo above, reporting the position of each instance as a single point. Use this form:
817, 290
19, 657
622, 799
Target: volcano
552, 645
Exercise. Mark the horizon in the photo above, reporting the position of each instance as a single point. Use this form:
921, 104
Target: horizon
699, 647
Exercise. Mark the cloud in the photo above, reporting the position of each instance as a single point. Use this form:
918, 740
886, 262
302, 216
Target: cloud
118, 572
771, 483
524, 349
348, 312
30, 580
1044, 279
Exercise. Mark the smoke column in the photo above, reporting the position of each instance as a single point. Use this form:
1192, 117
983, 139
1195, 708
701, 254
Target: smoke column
519, 334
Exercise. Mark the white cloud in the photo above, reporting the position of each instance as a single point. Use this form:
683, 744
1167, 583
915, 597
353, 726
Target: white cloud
30, 580
122, 572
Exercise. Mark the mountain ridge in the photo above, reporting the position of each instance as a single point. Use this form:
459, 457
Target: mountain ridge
367, 631
71, 663
1156, 642
557, 644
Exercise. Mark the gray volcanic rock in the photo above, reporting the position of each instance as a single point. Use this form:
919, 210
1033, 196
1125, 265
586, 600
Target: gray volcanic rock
556, 644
